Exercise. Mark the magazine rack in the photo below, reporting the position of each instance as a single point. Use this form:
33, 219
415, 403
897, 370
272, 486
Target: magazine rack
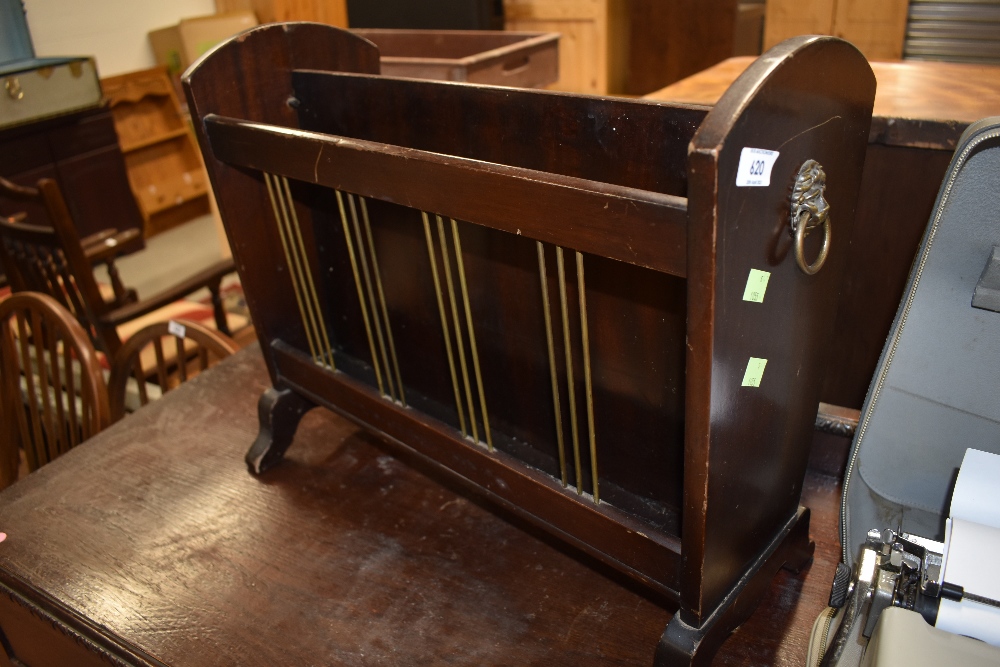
607, 315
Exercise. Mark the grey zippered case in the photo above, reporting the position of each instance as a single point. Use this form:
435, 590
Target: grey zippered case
936, 390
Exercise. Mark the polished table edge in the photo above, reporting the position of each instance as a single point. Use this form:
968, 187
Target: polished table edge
95, 638
893, 124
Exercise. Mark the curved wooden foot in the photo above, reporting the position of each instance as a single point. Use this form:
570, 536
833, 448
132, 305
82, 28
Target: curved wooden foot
684, 645
279, 412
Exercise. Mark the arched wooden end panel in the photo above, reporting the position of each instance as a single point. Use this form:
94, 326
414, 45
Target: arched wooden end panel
250, 76
759, 324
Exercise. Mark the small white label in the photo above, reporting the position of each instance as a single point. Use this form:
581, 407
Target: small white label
755, 372
755, 167
756, 286
177, 329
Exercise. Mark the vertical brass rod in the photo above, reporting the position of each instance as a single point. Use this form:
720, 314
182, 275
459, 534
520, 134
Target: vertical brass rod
569, 368
357, 284
381, 297
322, 333
472, 332
458, 329
546, 312
444, 322
291, 267
300, 269
371, 295
585, 338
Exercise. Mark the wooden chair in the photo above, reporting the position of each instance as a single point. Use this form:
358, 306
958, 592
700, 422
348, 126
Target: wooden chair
52, 387
53, 260
144, 370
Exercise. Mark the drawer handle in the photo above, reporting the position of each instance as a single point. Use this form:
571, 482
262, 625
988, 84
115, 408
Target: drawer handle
516, 66
810, 209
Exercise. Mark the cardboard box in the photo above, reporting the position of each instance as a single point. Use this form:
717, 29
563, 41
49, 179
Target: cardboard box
180, 45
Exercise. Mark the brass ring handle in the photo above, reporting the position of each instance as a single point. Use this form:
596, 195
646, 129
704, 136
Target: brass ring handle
810, 209
800, 237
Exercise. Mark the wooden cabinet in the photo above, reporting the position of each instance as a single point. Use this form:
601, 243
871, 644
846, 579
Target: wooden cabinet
80, 151
634, 47
876, 27
164, 167
592, 51
332, 12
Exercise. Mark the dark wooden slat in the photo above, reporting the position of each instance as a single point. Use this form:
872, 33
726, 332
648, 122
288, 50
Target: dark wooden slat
638, 227
637, 549
609, 140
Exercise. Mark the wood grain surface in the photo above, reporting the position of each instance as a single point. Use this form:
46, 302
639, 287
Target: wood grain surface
154, 535
917, 104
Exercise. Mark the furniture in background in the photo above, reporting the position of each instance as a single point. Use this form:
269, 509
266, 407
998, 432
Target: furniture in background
877, 27
53, 261
80, 151
437, 15
160, 357
672, 423
331, 12
372, 560
921, 110
637, 46
667, 41
499, 58
52, 391
164, 168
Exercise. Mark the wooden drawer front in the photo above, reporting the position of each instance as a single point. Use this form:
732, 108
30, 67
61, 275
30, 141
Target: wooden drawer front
35, 638
90, 133
23, 154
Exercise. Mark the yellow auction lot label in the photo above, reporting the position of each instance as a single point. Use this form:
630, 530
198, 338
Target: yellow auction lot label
755, 371
756, 286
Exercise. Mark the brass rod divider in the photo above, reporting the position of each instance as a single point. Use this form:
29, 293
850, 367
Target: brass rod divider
292, 272
585, 339
444, 322
309, 322
560, 267
381, 297
371, 295
472, 332
546, 311
310, 285
458, 328
357, 284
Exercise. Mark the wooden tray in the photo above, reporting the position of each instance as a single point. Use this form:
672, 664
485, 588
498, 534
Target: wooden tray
493, 57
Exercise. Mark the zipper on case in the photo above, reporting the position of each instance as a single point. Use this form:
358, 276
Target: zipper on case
959, 163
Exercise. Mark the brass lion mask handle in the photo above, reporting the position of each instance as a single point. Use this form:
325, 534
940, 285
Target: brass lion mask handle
809, 210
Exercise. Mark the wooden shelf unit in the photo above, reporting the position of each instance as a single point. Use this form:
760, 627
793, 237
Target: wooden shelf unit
164, 168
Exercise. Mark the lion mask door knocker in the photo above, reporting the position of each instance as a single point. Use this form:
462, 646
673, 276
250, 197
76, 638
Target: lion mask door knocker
810, 209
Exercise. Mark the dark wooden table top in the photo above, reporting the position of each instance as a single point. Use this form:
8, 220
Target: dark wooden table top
344, 554
920, 104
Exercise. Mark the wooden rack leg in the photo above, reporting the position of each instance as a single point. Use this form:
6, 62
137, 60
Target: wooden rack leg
279, 412
683, 645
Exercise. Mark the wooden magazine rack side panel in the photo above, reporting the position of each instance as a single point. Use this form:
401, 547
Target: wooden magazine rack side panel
745, 457
250, 77
365, 213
